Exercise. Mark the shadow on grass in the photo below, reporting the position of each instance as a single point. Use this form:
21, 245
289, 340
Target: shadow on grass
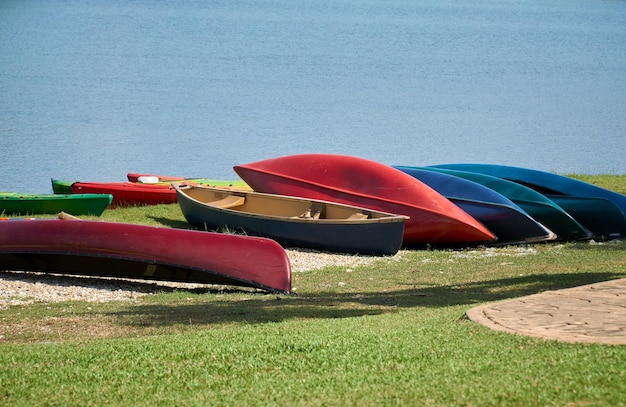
172, 223
114, 283
180, 224
263, 308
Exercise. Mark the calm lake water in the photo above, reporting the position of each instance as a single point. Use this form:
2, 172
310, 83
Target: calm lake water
91, 90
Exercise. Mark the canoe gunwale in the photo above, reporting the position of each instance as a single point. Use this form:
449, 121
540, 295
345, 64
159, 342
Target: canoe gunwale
389, 217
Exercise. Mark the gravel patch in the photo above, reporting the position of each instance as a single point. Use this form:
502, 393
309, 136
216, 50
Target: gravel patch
19, 288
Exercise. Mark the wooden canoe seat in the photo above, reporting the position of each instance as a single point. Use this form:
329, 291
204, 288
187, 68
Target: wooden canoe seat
230, 201
358, 216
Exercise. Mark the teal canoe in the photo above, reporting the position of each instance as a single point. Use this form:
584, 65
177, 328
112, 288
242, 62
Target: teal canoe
544, 182
600, 210
13, 203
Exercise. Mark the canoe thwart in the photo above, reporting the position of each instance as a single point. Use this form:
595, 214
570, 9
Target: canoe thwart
313, 212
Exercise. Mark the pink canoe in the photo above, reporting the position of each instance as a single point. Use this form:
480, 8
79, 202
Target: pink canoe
434, 220
97, 248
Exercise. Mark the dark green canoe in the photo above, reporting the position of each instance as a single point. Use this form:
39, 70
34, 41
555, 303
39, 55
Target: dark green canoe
600, 215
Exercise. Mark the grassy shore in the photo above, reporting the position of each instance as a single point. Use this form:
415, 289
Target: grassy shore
391, 332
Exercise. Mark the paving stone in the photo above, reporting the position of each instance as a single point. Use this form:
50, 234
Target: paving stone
594, 313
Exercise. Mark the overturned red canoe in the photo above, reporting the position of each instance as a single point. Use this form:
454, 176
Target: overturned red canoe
96, 248
434, 220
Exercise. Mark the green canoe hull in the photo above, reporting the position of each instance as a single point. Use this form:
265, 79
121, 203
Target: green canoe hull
61, 187
12, 203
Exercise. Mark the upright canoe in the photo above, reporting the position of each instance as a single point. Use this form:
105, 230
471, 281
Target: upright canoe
507, 220
96, 248
433, 219
541, 208
293, 221
12, 203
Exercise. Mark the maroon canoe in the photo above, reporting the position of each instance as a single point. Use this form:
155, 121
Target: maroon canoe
434, 220
98, 248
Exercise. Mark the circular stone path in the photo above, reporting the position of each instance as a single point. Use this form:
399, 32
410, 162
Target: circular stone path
594, 313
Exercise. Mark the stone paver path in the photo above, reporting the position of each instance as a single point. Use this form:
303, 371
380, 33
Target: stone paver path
594, 313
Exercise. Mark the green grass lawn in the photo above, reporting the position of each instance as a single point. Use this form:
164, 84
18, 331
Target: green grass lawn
392, 332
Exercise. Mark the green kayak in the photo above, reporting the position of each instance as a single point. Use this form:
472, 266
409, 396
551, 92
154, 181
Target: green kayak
61, 187
13, 203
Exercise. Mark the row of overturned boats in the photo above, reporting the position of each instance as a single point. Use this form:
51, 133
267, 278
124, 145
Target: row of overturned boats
324, 202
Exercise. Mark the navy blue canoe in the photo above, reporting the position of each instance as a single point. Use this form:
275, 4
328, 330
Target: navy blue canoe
509, 222
541, 208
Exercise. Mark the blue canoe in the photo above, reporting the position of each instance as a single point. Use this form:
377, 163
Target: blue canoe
541, 208
600, 210
509, 222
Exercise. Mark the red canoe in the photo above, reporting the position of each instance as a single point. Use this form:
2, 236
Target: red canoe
129, 193
97, 248
355, 181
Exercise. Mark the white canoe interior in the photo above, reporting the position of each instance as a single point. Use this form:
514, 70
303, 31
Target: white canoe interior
255, 203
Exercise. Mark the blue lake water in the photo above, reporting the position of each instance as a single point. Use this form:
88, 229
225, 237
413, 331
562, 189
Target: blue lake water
91, 90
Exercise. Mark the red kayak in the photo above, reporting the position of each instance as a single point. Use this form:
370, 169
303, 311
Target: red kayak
129, 193
434, 220
97, 248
